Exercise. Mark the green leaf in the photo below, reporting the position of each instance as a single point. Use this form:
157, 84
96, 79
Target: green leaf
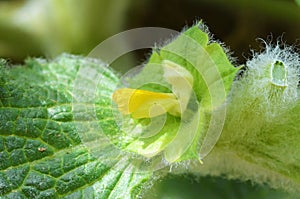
212, 74
41, 153
298, 2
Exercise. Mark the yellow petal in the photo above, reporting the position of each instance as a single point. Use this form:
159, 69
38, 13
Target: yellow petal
145, 104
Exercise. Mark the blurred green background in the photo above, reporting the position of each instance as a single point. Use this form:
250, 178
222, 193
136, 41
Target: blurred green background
46, 28
191, 187
50, 27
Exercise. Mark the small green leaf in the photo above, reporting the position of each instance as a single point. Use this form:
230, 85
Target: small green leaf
279, 74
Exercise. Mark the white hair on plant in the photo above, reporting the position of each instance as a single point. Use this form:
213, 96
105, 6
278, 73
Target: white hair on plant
262, 124
272, 77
